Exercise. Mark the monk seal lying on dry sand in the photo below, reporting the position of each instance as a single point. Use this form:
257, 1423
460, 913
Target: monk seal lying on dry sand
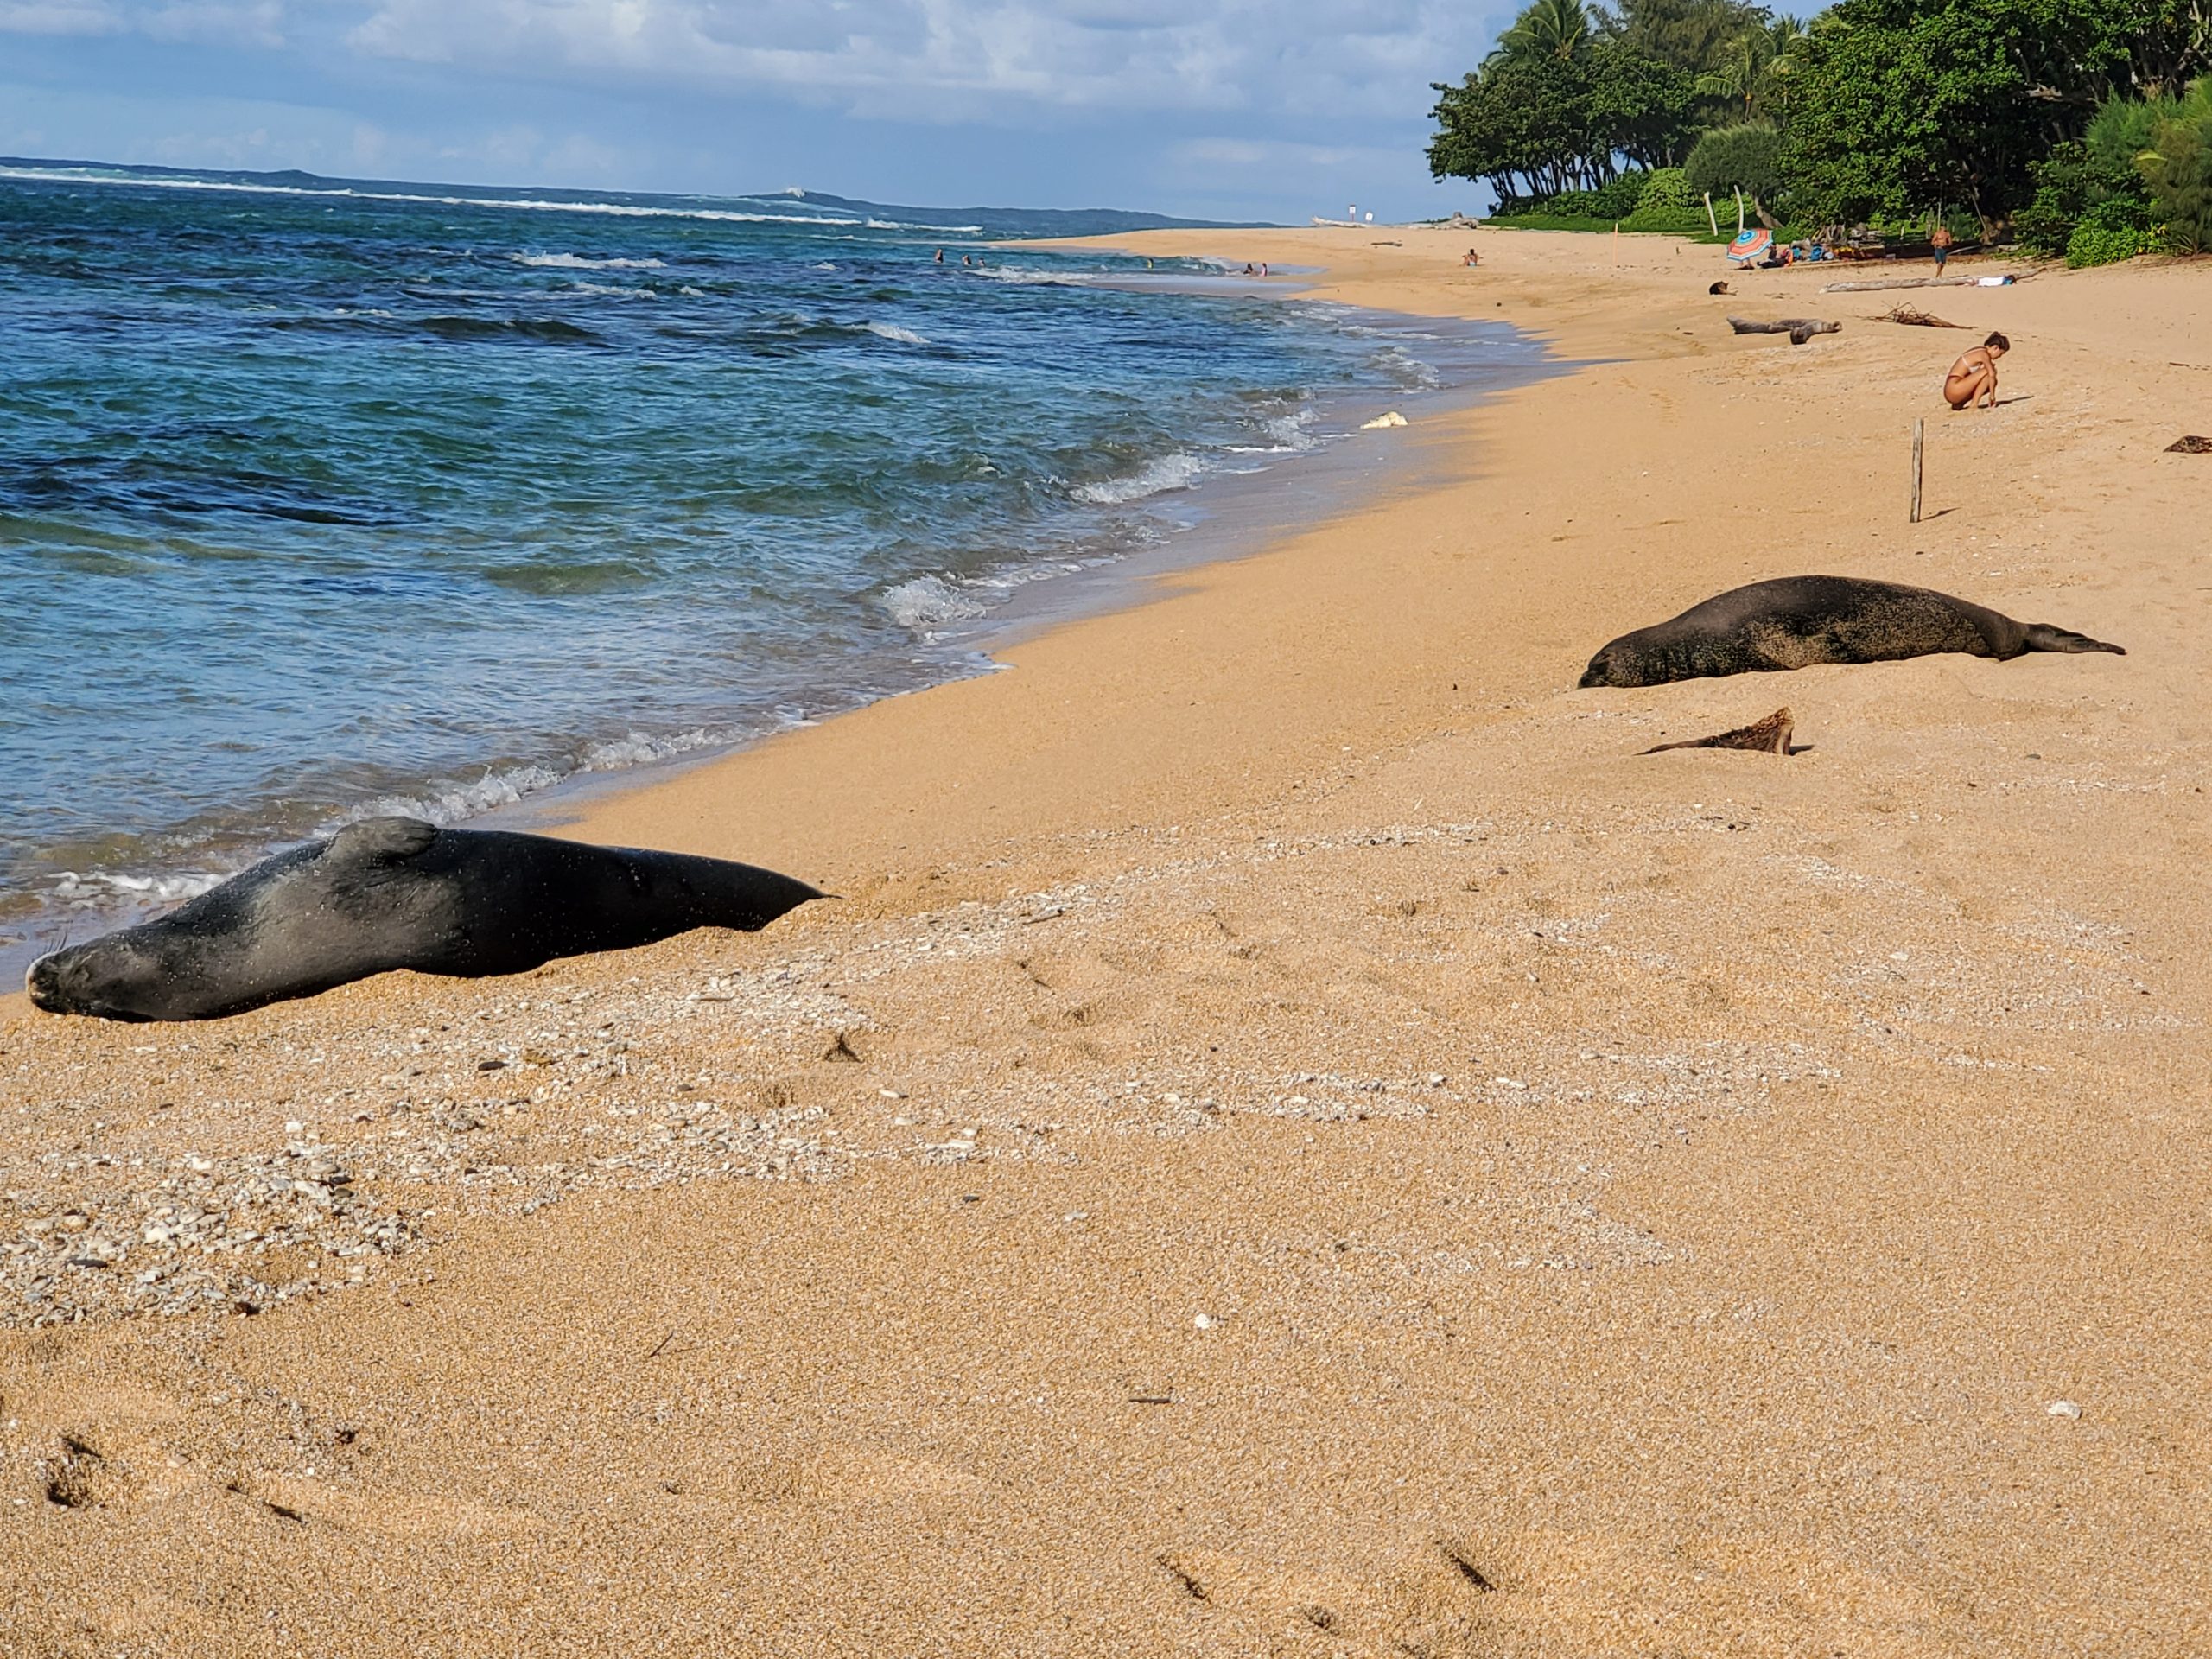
396, 892
1797, 621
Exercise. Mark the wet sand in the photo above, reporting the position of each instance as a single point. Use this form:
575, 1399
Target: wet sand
1296, 1138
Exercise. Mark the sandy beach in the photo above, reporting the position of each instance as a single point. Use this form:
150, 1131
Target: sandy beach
1295, 1137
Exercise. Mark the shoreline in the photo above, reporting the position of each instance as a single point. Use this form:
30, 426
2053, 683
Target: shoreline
1291, 1116
1222, 516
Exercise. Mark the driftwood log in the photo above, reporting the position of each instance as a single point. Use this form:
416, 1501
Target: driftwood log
1769, 736
1923, 282
1800, 329
2191, 445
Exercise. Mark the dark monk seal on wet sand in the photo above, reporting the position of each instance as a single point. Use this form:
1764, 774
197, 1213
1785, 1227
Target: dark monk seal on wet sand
396, 892
1797, 621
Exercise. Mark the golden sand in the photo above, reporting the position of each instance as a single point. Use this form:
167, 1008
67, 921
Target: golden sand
1296, 1138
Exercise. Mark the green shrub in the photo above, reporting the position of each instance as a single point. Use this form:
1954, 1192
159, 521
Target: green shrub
1667, 190
2177, 166
2095, 244
1618, 196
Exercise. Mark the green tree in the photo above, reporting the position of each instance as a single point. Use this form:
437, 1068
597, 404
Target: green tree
1522, 125
1559, 30
1640, 107
1899, 105
1533, 124
1745, 158
1691, 35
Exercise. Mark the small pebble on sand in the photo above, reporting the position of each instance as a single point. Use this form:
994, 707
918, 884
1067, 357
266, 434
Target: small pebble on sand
2063, 1408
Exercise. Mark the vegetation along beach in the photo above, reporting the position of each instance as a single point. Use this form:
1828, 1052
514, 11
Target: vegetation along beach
1368, 1020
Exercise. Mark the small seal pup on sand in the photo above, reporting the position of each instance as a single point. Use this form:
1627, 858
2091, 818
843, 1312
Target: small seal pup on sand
397, 892
1797, 621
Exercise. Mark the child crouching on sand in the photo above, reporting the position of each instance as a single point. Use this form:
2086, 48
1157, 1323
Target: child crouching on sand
1972, 378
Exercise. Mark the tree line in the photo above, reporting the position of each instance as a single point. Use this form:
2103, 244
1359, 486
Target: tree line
2054, 121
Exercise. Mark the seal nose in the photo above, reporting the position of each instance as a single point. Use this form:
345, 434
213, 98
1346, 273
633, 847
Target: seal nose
39, 980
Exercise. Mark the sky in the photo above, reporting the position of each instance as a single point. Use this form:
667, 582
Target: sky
1231, 109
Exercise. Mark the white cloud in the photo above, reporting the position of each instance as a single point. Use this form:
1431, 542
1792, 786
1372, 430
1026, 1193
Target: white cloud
959, 59
61, 17
252, 22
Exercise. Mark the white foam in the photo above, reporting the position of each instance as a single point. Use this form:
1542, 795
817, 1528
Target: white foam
892, 331
577, 262
925, 602
453, 802
1176, 471
106, 886
612, 292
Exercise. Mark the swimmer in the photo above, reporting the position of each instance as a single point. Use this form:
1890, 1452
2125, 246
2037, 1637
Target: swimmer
1972, 378
940, 255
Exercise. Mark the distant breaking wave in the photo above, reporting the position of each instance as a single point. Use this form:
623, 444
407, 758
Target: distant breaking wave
523, 204
577, 262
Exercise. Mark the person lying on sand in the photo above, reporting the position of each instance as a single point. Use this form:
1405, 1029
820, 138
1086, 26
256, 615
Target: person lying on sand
1972, 378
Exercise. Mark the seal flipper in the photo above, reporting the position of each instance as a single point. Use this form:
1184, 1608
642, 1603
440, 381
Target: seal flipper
2041, 636
383, 841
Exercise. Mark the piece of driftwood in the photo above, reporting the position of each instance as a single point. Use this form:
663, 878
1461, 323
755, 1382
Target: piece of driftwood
2190, 446
1800, 329
1923, 281
1915, 318
1769, 736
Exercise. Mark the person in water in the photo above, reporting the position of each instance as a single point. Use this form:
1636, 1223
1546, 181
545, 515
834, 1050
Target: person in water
940, 255
1972, 378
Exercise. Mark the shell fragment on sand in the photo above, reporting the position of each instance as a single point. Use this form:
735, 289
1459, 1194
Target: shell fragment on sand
1768, 736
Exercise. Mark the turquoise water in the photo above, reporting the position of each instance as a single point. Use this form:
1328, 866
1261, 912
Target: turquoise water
314, 502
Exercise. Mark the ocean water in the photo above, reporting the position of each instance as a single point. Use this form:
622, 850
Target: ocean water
317, 501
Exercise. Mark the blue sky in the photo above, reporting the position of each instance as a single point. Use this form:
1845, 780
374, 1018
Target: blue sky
1271, 109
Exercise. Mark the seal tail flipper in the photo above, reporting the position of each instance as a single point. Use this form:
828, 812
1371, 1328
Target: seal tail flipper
2041, 636
1769, 736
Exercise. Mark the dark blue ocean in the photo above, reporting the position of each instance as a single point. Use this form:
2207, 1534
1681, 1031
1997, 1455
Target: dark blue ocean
318, 499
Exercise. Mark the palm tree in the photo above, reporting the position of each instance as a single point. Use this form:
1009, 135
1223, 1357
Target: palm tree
1549, 28
1754, 67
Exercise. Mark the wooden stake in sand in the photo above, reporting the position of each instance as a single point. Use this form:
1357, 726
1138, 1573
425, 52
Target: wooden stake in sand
1919, 439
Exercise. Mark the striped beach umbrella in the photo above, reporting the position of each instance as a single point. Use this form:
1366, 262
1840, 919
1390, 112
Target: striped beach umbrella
1750, 244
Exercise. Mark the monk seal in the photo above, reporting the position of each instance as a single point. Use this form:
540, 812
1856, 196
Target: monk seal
1797, 621
397, 892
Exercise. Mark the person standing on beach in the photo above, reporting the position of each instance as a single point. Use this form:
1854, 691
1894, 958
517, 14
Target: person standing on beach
1972, 378
1942, 243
